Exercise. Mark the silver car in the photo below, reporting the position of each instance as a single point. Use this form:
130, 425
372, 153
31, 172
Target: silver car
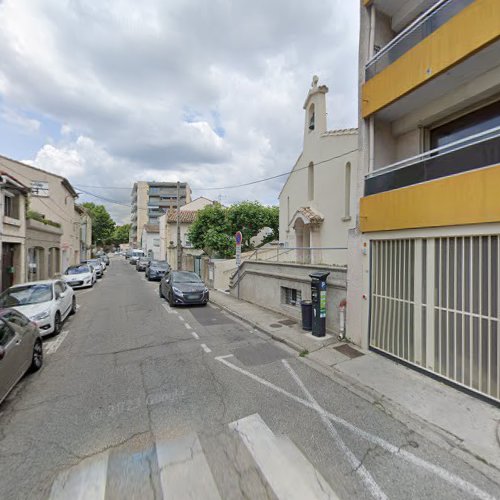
20, 349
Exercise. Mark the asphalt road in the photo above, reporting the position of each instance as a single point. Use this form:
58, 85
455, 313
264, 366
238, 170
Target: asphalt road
138, 400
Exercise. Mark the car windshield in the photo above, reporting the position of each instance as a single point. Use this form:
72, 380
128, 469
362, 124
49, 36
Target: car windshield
185, 277
95, 261
77, 270
158, 264
26, 294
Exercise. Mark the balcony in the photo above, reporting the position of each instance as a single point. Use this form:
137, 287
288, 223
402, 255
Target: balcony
448, 186
451, 45
477, 151
437, 15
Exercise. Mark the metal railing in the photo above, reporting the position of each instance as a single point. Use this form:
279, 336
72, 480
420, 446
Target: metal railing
432, 19
297, 255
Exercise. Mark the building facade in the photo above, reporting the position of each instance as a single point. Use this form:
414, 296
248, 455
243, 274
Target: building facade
150, 200
151, 241
52, 201
317, 199
424, 259
13, 201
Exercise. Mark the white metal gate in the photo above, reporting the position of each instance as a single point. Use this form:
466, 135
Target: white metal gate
435, 303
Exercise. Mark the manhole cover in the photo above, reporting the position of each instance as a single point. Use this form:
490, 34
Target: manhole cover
275, 325
288, 322
348, 351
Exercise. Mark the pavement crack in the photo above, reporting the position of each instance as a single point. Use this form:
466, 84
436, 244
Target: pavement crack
131, 349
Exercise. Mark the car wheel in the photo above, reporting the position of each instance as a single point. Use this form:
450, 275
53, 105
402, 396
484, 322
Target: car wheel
57, 323
73, 306
37, 356
170, 300
160, 292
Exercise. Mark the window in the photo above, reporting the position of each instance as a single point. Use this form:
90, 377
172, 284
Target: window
11, 202
311, 117
291, 296
16, 319
310, 182
477, 121
6, 334
58, 288
347, 191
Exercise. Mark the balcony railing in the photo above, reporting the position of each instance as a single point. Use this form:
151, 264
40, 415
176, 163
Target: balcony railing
432, 19
473, 152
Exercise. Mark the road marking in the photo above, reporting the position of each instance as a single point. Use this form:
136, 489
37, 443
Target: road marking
52, 346
169, 309
85, 481
447, 476
181, 318
205, 348
356, 465
187, 325
279, 461
184, 471
195, 335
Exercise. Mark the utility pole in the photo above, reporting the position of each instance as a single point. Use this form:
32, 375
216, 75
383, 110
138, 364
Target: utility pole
179, 243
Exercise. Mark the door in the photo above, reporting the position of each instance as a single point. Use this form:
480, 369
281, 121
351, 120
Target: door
22, 328
11, 365
7, 265
63, 296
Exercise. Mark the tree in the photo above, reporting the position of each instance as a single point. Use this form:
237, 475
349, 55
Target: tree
215, 226
121, 234
102, 224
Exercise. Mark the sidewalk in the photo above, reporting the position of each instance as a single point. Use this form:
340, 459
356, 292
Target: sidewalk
465, 423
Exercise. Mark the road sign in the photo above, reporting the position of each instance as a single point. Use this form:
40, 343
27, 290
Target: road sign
238, 238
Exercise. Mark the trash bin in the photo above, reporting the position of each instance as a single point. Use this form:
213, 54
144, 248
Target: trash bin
306, 306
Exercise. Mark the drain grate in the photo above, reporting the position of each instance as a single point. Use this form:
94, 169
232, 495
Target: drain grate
288, 322
275, 325
348, 351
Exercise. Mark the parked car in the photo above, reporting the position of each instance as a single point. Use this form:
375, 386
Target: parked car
183, 288
81, 276
105, 258
136, 255
47, 303
142, 263
103, 263
20, 349
97, 265
128, 254
156, 269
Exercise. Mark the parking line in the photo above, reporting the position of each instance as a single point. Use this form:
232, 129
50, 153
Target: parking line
51, 347
195, 335
187, 325
205, 348
169, 309
181, 318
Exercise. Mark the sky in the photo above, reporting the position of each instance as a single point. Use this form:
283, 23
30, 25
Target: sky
206, 92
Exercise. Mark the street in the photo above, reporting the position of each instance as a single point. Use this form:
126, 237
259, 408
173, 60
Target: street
140, 400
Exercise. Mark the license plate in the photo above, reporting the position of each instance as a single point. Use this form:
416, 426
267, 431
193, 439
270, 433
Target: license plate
193, 297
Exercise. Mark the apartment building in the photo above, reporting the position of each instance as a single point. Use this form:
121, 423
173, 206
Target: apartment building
51, 212
150, 200
424, 259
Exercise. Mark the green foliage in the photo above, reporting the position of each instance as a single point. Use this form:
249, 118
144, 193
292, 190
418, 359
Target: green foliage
103, 225
215, 226
121, 234
31, 214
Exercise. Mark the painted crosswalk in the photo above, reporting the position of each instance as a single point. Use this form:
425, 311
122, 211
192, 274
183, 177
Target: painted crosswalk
183, 471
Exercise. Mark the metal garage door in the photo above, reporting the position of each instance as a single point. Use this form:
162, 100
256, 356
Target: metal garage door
435, 303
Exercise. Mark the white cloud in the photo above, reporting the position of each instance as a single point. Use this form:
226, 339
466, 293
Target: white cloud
28, 125
209, 93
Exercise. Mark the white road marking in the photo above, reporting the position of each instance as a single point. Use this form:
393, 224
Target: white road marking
187, 325
181, 318
356, 465
169, 309
52, 346
447, 476
206, 348
195, 335
184, 471
279, 460
85, 481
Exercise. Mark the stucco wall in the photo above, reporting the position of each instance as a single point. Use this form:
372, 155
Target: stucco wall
261, 282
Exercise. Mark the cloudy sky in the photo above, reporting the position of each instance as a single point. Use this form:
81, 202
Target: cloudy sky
205, 91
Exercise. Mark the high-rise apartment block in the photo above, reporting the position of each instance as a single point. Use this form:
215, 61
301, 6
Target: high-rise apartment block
424, 260
150, 200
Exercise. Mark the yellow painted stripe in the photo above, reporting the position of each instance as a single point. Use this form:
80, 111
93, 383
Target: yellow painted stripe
472, 29
468, 198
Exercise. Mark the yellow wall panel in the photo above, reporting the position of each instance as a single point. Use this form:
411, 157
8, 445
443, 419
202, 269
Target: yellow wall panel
472, 29
469, 198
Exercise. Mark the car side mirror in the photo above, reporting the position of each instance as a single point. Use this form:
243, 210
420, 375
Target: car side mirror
2, 352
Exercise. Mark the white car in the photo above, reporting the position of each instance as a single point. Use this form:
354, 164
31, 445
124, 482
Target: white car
46, 303
97, 265
81, 276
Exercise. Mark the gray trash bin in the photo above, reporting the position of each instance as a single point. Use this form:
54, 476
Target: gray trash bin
306, 306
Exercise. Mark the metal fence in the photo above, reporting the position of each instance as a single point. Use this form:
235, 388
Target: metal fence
330, 256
